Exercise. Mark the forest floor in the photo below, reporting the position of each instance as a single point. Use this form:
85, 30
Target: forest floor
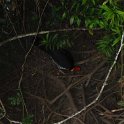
51, 96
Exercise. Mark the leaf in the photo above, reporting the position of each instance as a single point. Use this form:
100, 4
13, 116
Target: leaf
87, 22
93, 1
47, 36
84, 1
101, 24
15, 100
105, 2
54, 37
78, 22
116, 41
109, 16
105, 7
121, 103
64, 15
90, 31
120, 12
91, 25
116, 30
28, 120
71, 20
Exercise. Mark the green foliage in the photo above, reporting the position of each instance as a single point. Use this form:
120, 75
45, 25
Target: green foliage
112, 15
28, 120
75, 19
121, 103
68, 12
34, 18
54, 41
94, 23
105, 46
107, 15
108, 44
15, 100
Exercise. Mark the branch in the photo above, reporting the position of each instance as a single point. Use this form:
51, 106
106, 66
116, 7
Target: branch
102, 88
42, 32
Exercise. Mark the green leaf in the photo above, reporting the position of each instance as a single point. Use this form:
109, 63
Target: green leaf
84, 1
47, 36
105, 7
101, 24
28, 120
104, 3
93, 1
91, 25
116, 41
121, 103
64, 15
116, 30
15, 100
78, 22
120, 12
71, 20
54, 37
90, 31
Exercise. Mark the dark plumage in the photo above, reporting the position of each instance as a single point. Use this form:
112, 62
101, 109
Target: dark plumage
61, 57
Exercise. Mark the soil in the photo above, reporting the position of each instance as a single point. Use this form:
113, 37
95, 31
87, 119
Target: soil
45, 88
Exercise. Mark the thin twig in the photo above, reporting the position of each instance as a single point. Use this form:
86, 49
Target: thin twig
102, 88
94, 71
14, 29
4, 115
32, 43
25, 59
12, 121
4, 110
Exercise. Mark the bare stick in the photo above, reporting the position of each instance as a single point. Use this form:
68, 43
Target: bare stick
102, 88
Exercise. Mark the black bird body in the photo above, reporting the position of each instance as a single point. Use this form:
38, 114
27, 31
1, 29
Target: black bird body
61, 57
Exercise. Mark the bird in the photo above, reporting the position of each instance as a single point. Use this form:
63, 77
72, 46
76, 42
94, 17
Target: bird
61, 57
